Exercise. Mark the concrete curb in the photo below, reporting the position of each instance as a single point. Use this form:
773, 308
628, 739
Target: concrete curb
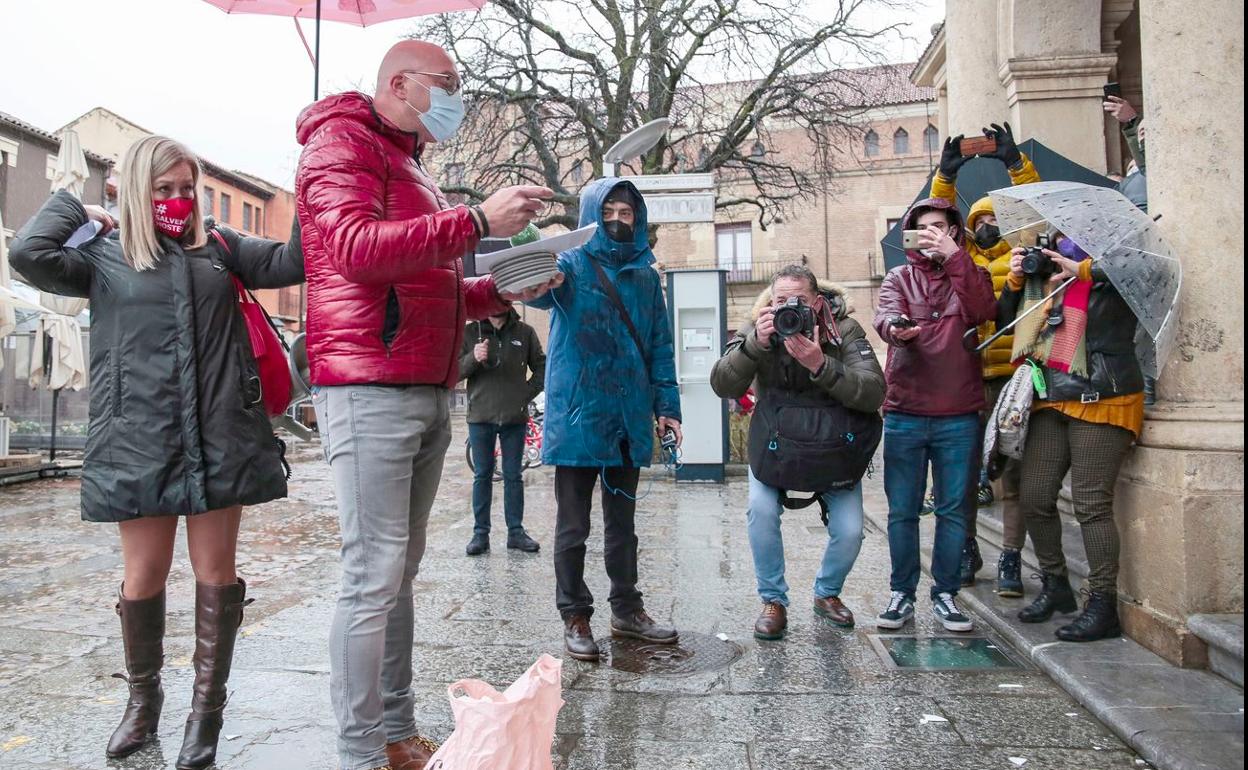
1177, 719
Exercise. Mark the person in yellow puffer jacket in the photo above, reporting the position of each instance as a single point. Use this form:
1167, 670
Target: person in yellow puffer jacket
992, 252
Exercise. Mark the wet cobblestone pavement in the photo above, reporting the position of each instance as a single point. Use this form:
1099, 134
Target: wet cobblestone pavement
821, 698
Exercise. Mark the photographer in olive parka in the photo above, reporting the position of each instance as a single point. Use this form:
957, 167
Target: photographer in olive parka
815, 421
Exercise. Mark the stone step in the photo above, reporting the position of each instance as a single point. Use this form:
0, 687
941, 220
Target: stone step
1225, 636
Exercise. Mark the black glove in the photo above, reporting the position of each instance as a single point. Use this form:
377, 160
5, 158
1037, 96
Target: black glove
951, 157
1007, 151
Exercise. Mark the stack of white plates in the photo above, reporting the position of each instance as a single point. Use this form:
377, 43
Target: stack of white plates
531, 264
523, 272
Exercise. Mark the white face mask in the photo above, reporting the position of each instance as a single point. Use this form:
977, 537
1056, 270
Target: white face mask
445, 114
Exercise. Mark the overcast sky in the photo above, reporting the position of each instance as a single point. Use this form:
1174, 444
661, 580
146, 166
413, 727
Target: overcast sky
228, 86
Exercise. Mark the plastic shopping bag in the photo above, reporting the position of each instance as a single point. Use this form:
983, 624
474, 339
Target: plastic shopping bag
512, 730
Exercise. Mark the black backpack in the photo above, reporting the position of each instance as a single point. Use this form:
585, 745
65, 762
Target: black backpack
810, 443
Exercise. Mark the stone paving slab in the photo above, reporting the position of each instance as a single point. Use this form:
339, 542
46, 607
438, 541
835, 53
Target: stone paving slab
819, 699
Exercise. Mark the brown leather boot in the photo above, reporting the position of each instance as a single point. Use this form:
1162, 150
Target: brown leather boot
218, 614
772, 622
143, 636
578, 639
411, 753
833, 609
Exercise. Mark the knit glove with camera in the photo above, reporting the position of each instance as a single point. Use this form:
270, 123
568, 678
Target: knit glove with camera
1007, 151
951, 157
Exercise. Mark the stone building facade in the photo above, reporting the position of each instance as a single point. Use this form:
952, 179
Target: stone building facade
1180, 501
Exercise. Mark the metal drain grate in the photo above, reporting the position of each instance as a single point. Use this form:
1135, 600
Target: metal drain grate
943, 653
694, 653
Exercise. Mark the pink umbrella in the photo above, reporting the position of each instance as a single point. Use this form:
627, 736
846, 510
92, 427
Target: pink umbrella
361, 12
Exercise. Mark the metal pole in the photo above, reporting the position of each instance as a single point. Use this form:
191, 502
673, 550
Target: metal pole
1002, 331
52, 451
316, 66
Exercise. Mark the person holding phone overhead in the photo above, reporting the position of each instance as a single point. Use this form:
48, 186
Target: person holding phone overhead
989, 250
177, 420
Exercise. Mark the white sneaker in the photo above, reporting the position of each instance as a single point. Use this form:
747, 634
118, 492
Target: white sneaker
899, 612
945, 608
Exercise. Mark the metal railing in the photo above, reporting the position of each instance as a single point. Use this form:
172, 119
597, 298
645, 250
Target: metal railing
755, 272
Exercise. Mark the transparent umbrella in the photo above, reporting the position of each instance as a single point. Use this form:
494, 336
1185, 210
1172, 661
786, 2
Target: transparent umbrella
1124, 241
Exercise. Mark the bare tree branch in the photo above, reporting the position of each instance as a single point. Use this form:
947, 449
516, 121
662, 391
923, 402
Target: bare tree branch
553, 83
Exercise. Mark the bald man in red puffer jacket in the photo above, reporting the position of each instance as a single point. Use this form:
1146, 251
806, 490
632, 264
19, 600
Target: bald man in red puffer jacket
387, 303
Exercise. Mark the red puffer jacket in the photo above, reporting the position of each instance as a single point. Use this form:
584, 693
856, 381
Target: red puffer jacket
934, 375
387, 300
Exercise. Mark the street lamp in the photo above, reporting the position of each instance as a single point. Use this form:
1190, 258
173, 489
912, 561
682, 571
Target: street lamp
636, 143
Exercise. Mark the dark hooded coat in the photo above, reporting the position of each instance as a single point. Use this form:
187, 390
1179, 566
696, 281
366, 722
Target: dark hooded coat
177, 424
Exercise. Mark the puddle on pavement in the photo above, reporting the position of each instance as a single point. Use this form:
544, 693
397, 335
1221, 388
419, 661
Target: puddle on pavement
694, 653
942, 653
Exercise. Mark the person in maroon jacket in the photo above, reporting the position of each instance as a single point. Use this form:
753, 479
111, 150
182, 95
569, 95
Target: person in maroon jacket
387, 304
931, 408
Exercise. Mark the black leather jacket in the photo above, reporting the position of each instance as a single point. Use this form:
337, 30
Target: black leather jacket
1112, 363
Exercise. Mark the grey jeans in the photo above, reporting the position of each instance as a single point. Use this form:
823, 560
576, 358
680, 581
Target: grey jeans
385, 447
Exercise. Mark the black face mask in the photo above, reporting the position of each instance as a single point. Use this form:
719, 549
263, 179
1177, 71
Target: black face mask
620, 232
987, 236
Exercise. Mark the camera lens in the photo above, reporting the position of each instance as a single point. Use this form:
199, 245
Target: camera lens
787, 322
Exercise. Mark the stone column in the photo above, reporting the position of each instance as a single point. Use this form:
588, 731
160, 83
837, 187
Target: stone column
1053, 69
1181, 495
971, 63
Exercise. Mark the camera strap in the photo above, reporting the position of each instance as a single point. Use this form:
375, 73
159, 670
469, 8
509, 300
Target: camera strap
613, 294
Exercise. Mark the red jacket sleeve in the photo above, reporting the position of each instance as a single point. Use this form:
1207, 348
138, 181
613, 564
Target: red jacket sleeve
342, 185
973, 285
481, 298
890, 303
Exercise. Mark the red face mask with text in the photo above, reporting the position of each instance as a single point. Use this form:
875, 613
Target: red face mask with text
172, 214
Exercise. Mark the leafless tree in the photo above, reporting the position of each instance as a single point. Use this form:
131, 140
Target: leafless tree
554, 83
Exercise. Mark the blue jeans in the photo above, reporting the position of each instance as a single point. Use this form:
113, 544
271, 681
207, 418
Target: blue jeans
910, 443
481, 438
767, 544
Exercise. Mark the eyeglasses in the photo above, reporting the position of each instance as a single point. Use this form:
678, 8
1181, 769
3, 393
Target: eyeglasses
452, 83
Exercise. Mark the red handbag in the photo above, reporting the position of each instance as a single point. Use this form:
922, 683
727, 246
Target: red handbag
267, 346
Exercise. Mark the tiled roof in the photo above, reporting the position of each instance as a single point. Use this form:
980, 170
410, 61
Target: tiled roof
864, 87
27, 128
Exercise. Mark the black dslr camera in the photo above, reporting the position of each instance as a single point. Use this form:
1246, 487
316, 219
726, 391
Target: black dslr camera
1036, 262
793, 318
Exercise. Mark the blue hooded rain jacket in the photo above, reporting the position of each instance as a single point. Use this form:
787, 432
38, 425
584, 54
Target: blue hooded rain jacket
600, 391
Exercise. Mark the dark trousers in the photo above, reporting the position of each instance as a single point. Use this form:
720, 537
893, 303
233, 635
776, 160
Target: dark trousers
574, 489
481, 438
1093, 454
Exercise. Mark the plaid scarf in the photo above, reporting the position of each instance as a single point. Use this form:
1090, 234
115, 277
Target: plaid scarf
1063, 347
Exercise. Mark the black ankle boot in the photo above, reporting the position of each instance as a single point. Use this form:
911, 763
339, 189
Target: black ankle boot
1099, 620
1055, 596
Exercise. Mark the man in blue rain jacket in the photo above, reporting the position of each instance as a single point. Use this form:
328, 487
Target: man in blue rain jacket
606, 385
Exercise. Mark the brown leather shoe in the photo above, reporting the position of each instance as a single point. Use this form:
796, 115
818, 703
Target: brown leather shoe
641, 626
410, 753
830, 607
578, 639
772, 622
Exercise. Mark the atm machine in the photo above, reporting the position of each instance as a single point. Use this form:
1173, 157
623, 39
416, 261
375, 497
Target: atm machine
697, 302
